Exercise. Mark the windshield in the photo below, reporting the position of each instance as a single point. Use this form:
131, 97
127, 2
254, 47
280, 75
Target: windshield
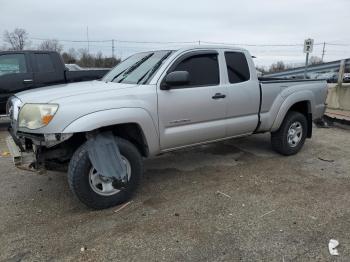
138, 68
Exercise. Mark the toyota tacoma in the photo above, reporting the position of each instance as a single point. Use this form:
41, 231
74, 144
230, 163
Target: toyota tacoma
155, 102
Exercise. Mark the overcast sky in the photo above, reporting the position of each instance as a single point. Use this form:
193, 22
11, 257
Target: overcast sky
243, 22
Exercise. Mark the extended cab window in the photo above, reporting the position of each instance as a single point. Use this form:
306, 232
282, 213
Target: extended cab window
12, 64
202, 68
237, 67
44, 63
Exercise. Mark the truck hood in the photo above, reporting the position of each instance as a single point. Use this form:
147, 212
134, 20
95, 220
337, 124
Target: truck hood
56, 92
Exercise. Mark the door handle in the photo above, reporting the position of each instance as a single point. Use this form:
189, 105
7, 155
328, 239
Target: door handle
28, 81
218, 96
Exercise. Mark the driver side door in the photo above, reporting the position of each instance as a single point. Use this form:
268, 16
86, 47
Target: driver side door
195, 112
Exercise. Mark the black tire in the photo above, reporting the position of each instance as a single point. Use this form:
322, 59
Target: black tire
279, 139
78, 177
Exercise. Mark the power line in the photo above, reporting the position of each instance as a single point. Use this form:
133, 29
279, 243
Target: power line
336, 44
184, 42
72, 41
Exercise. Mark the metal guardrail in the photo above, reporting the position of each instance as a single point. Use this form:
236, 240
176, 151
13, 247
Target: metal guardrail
299, 71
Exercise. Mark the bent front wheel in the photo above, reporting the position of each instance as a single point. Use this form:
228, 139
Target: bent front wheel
97, 191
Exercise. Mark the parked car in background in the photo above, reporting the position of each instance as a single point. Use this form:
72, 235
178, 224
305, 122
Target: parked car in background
155, 102
23, 70
73, 67
330, 77
346, 78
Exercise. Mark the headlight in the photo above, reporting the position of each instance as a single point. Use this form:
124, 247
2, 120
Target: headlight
34, 116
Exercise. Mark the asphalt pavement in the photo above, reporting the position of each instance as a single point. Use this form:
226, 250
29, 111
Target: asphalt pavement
231, 201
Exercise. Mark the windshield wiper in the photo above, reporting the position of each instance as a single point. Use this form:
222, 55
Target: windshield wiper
118, 75
135, 66
153, 69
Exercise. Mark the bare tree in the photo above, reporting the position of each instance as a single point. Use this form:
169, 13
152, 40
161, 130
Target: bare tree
277, 67
51, 45
18, 39
261, 69
70, 57
99, 60
315, 60
86, 59
110, 62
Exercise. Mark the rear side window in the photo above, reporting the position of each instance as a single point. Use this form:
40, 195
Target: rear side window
12, 64
44, 63
237, 67
203, 69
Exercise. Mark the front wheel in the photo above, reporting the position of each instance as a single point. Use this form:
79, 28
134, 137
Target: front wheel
290, 137
96, 191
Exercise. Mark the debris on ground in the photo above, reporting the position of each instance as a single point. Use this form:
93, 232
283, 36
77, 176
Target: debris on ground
123, 206
332, 247
221, 193
267, 213
5, 154
326, 160
82, 249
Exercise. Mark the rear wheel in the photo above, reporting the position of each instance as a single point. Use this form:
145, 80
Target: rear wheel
100, 192
290, 137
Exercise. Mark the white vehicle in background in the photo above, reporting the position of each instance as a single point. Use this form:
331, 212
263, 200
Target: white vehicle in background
331, 77
73, 67
346, 78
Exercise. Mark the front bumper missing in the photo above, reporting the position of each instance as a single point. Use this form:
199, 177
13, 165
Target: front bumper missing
21, 159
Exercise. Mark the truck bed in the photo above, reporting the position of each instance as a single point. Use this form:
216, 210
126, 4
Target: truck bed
275, 90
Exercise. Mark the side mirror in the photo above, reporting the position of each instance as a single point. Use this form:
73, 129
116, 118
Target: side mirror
176, 78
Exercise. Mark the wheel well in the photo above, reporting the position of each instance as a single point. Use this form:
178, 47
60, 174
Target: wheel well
64, 151
131, 132
304, 107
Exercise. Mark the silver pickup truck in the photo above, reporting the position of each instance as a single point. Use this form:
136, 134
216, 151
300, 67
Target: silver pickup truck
154, 102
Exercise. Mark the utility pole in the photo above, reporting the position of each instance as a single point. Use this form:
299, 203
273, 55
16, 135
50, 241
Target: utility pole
323, 50
306, 64
199, 42
113, 48
341, 73
87, 36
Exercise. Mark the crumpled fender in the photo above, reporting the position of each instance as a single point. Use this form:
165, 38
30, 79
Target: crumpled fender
105, 156
111, 117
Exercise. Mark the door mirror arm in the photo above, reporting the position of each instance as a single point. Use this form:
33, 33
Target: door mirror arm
164, 86
175, 78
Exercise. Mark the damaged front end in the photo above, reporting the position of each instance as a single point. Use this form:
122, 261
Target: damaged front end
32, 151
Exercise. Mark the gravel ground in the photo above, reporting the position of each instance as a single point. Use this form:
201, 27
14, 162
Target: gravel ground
229, 201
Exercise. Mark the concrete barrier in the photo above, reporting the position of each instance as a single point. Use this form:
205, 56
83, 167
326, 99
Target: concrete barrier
339, 97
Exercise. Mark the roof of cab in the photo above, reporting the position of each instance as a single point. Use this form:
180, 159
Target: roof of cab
183, 48
189, 47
